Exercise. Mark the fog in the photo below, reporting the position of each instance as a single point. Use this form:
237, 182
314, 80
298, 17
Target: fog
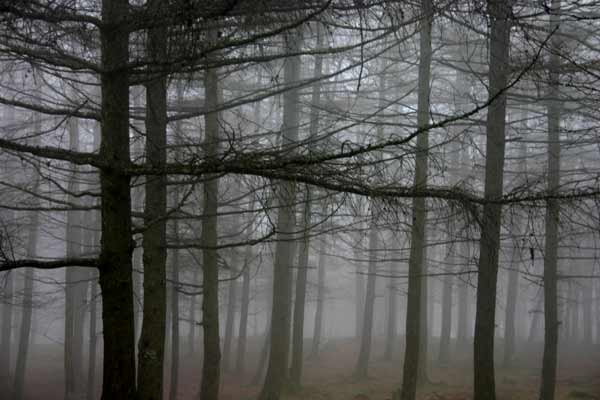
320, 200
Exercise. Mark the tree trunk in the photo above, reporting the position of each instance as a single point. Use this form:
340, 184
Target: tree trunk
414, 306
445, 334
245, 301
29, 274
151, 346
485, 319
549, 363
300, 299
231, 305
320, 300
211, 366
116, 243
280, 318
362, 364
91, 378
174, 385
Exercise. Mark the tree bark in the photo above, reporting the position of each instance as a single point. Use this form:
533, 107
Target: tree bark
281, 305
414, 306
211, 366
549, 362
245, 301
29, 275
484, 381
174, 384
151, 346
231, 306
116, 243
300, 298
318, 332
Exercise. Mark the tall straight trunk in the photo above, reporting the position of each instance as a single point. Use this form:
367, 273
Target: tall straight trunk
446, 330
484, 382
211, 365
362, 364
231, 306
24, 336
462, 336
359, 297
245, 302
175, 312
93, 339
301, 279
29, 274
300, 298
280, 313
93, 245
192, 316
116, 243
75, 287
549, 363
414, 306
318, 332
588, 321
151, 346
392, 322
512, 291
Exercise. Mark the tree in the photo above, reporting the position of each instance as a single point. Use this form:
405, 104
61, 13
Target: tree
487, 273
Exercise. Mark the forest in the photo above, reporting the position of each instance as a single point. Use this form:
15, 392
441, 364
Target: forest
288, 200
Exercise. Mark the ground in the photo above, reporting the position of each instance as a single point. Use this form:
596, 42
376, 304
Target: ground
329, 377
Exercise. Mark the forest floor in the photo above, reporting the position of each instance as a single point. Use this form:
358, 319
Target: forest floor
330, 377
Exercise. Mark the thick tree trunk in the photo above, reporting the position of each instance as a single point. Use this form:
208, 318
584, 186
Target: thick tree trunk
151, 346
414, 306
211, 365
281, 305
485, 320
362, 364
116, 243
549, 363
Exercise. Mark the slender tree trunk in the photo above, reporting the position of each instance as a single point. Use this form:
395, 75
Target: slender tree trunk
24, 337
485, 320
211, 366
445, 334
512, 292
245, 301
91, 378
364, 354
549, 363
174, 386
320, 301
280, 314
29, 274
231, 306
414, 306
116, 243
300, 299
6, 343
360, 297
192, 316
